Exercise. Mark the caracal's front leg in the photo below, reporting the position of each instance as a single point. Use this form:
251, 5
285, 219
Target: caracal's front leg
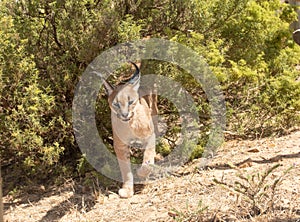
123, 155
148, 160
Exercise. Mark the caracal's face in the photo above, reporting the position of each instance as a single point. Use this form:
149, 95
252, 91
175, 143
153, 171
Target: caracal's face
124, 100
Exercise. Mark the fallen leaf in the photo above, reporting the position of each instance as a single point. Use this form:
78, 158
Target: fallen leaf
253, 150
172, 214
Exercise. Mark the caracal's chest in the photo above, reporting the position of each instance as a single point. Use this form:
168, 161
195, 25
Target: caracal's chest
138, 129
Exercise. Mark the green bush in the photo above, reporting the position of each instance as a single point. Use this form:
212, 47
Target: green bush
28, 123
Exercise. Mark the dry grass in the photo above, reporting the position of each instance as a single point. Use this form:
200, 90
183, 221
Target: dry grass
192, 195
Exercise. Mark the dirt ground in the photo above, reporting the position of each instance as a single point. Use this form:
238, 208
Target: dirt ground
234, 186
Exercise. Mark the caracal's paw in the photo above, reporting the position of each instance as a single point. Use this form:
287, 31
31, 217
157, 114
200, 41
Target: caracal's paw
144, 171
126, 192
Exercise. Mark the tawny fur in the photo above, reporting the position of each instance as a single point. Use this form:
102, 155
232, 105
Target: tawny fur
132, 120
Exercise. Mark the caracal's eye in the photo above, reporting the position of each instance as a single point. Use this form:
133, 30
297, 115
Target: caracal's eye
117, 105
130, 102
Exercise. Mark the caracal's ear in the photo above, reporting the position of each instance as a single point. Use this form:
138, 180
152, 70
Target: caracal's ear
108, 87
135, 79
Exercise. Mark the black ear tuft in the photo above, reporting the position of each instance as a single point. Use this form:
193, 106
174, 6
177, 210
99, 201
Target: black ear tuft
136, 75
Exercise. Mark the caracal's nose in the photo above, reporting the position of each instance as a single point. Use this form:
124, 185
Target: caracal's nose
125, 115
